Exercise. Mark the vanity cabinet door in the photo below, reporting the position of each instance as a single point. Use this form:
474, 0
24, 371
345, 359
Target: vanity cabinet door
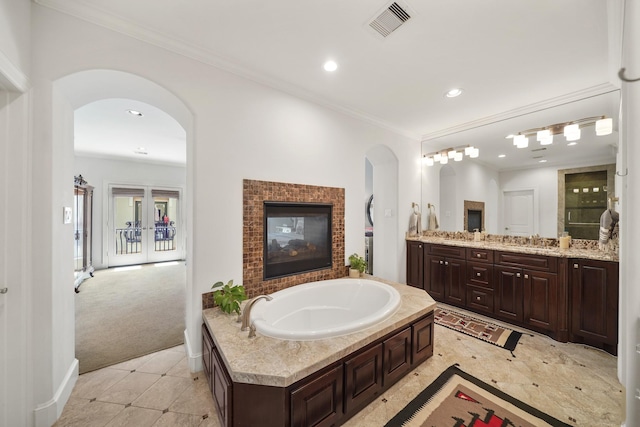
508, 298
318, 402
396, 357
435, 276
415, 264
541, 300
363, 379
594, 303
455, 274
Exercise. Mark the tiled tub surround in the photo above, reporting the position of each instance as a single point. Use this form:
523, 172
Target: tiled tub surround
586, 249
270, 361
255, 193
299, 383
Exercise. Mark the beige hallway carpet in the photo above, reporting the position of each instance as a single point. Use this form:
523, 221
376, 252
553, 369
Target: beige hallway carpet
121, 315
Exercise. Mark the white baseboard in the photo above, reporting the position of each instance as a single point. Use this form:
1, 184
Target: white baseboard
48, 413
195, 359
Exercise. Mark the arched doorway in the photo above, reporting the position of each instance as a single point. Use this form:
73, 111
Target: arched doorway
80, 89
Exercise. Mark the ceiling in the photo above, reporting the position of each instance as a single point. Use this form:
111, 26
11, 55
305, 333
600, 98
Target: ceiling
510, 58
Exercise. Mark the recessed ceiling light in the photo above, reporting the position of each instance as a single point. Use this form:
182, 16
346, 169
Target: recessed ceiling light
141, 149
572, 143
510, 136
542, 161
502, 155
453, 92
135, 113
330, 66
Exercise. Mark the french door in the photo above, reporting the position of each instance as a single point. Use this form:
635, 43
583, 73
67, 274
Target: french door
144, 225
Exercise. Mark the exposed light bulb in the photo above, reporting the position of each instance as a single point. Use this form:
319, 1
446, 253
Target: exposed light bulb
468, 150
545, 137
444, 160
458, 156
429, 161
451, 154
521, 141
475, 153
436, 157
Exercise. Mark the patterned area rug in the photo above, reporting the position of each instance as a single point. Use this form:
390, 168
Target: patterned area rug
478, 328
457, 399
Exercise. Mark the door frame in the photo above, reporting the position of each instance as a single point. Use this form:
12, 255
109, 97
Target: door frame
107, 211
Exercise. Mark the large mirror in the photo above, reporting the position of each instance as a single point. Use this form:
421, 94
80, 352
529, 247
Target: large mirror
519, 188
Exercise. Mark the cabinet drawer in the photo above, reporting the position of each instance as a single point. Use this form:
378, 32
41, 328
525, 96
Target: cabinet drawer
480, 299
448, 251
480, 255
479, 274
537, 262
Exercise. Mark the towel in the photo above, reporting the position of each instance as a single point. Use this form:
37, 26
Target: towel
433, 220
415, 224
608, 222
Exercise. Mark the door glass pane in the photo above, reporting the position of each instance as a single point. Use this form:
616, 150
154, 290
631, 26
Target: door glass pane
165, 212
128, 224
78, 221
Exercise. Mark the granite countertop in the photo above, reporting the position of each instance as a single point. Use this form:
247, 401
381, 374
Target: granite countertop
572, 252
274, 362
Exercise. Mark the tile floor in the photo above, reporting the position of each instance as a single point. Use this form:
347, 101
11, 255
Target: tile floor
574, 383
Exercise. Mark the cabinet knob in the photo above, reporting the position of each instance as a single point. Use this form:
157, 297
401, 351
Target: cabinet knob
477, 298
575, 265
478, 274
478, 255
446, 263
526, 276
517, 274
420, 246
441, 262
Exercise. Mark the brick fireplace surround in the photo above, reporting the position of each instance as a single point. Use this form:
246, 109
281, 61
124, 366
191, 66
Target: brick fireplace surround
257, 192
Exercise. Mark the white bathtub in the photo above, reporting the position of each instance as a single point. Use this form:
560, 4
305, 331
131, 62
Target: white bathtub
324, 309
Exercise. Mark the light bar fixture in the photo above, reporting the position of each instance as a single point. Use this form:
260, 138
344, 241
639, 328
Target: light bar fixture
571, 130
454, 153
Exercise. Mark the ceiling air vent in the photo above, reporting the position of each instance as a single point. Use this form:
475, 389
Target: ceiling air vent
390, 19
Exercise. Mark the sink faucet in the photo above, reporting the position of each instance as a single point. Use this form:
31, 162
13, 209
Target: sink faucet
246, 315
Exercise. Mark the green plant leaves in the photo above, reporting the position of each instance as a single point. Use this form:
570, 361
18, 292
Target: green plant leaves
229, 297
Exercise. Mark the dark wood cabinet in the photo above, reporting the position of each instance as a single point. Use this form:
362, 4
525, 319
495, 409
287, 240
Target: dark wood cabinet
594, 303
415, 261
479, 281
318, 402
363, 379
541, 300
446, 271
328, 397
422, 340
508, 301
397, 357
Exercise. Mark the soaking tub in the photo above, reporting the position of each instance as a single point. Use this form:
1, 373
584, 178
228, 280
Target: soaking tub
325, 309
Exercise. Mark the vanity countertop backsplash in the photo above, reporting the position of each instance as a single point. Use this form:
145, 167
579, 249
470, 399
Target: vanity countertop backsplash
578, 248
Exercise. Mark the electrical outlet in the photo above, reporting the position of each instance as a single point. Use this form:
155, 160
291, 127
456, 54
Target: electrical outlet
66, 215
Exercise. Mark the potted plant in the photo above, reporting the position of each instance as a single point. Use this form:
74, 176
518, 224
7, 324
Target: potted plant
357, 265
229, 297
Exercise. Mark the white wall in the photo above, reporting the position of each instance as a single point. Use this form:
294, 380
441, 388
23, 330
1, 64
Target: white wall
241, 129
15, 30
99, 172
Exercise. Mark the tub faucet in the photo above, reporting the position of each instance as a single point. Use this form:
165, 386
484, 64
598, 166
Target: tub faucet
246, 315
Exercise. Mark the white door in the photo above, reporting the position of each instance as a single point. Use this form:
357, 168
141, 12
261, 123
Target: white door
518, 213
13, 246
144, 225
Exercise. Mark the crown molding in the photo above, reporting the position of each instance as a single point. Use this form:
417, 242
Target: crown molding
590, 92
121, 25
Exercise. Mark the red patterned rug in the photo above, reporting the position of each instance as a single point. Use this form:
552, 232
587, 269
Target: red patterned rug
478, 328
457, 399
